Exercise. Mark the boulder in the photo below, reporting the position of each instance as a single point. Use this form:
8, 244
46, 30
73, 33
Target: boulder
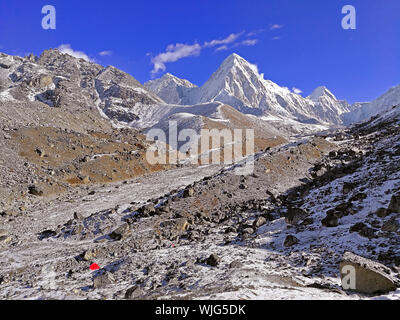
393, 225
358, 227
89, 255
331, 221
102, 281
188, 192
370, 277
46, 234
213, 260
235, 264
290, 241
382, 212
147, 210
4, 237
120, 232
260, 221
36, 191
394, 205
294, 215
348, 187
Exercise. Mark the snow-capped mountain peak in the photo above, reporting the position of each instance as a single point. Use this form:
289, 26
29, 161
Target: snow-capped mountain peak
239, 83
321, 91
171, 89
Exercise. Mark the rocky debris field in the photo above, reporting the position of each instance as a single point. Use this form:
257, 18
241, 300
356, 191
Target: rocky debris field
281, 232
84, 216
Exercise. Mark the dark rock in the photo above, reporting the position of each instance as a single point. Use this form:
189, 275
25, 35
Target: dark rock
230, 230
382, 212
78, 216
213, 260
188, 192
46, 234
147, 210
393, 225
36, 191
307, 222
331, 221
290, 241
358, 227
243, 186
367, 232
120, 232
344, 209
333, 154
394, 205
359, 196
295, 215
348, 187
10, 213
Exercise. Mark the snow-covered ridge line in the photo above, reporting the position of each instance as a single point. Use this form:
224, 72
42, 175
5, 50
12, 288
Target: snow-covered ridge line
238, 83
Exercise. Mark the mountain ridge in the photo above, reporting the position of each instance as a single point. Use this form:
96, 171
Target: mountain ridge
238, 83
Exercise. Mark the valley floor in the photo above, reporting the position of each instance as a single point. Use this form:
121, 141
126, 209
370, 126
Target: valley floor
165, 252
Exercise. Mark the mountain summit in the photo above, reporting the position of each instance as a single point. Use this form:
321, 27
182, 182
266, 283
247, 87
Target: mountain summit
238, 83
171, 89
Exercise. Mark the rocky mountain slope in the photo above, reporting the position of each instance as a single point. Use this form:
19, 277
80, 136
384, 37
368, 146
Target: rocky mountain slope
55, 132
60, 80
238, 83
280, 233
364, 111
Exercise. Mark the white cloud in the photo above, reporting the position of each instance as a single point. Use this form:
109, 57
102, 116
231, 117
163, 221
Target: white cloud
249, 42
255, 32
276, 38
174, 52
297, 91
105, 53
229, 39
66, 48
276, 26
222, 48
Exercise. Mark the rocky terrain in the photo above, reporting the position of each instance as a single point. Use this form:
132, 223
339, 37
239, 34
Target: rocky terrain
84, 216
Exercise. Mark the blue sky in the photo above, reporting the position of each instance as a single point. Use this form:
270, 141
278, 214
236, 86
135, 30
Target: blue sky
295, 43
